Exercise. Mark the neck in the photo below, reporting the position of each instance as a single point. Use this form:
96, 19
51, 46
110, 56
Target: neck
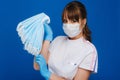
76, 37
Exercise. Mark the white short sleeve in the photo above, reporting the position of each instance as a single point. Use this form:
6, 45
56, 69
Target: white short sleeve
90, 62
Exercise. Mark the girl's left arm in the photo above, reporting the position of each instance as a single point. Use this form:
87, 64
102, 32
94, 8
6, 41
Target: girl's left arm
82, 74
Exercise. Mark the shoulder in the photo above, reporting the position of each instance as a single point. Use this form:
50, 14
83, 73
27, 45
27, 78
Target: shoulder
90, 47
60, 38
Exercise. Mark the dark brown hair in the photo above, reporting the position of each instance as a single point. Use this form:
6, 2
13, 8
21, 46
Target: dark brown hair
74, 11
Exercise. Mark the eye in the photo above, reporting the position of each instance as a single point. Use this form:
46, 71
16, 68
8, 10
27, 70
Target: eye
74, 20
64, 21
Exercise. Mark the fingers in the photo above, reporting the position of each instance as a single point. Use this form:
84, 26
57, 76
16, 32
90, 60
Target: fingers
48, 32
40, 60
48, 29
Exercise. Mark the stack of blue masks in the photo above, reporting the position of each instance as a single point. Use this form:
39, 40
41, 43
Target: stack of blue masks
31, 32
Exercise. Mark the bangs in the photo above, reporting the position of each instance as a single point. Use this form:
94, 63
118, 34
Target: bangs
71, 13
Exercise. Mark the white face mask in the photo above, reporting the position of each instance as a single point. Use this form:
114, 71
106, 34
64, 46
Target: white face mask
72, 30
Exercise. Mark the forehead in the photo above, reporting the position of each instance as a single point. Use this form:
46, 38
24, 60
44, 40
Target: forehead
71, 14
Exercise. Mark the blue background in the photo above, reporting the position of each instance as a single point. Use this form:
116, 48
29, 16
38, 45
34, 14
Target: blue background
103, 20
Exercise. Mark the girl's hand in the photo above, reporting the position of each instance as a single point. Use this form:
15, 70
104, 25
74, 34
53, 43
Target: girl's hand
48, 32
40, 60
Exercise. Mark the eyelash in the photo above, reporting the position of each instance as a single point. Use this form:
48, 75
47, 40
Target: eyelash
64, 21
74, 20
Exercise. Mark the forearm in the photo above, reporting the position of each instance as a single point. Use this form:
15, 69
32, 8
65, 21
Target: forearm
55, 77
44, 50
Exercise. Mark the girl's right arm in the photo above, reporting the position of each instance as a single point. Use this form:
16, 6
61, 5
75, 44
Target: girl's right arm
53, 76
46, 54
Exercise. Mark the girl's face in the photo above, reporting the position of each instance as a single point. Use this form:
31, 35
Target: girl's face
73, 28
82, 22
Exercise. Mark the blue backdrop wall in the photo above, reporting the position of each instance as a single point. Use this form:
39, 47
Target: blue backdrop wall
103, 20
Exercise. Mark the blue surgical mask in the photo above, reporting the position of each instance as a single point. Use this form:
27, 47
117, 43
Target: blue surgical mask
72, 29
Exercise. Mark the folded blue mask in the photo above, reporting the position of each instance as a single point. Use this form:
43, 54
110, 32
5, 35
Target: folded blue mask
31, 32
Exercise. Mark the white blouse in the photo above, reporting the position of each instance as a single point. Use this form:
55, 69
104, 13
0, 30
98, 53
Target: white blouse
66, 56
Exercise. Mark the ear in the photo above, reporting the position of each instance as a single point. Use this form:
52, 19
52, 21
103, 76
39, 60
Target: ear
84, 21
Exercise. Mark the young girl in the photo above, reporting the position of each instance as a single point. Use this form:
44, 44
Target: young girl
71, 57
